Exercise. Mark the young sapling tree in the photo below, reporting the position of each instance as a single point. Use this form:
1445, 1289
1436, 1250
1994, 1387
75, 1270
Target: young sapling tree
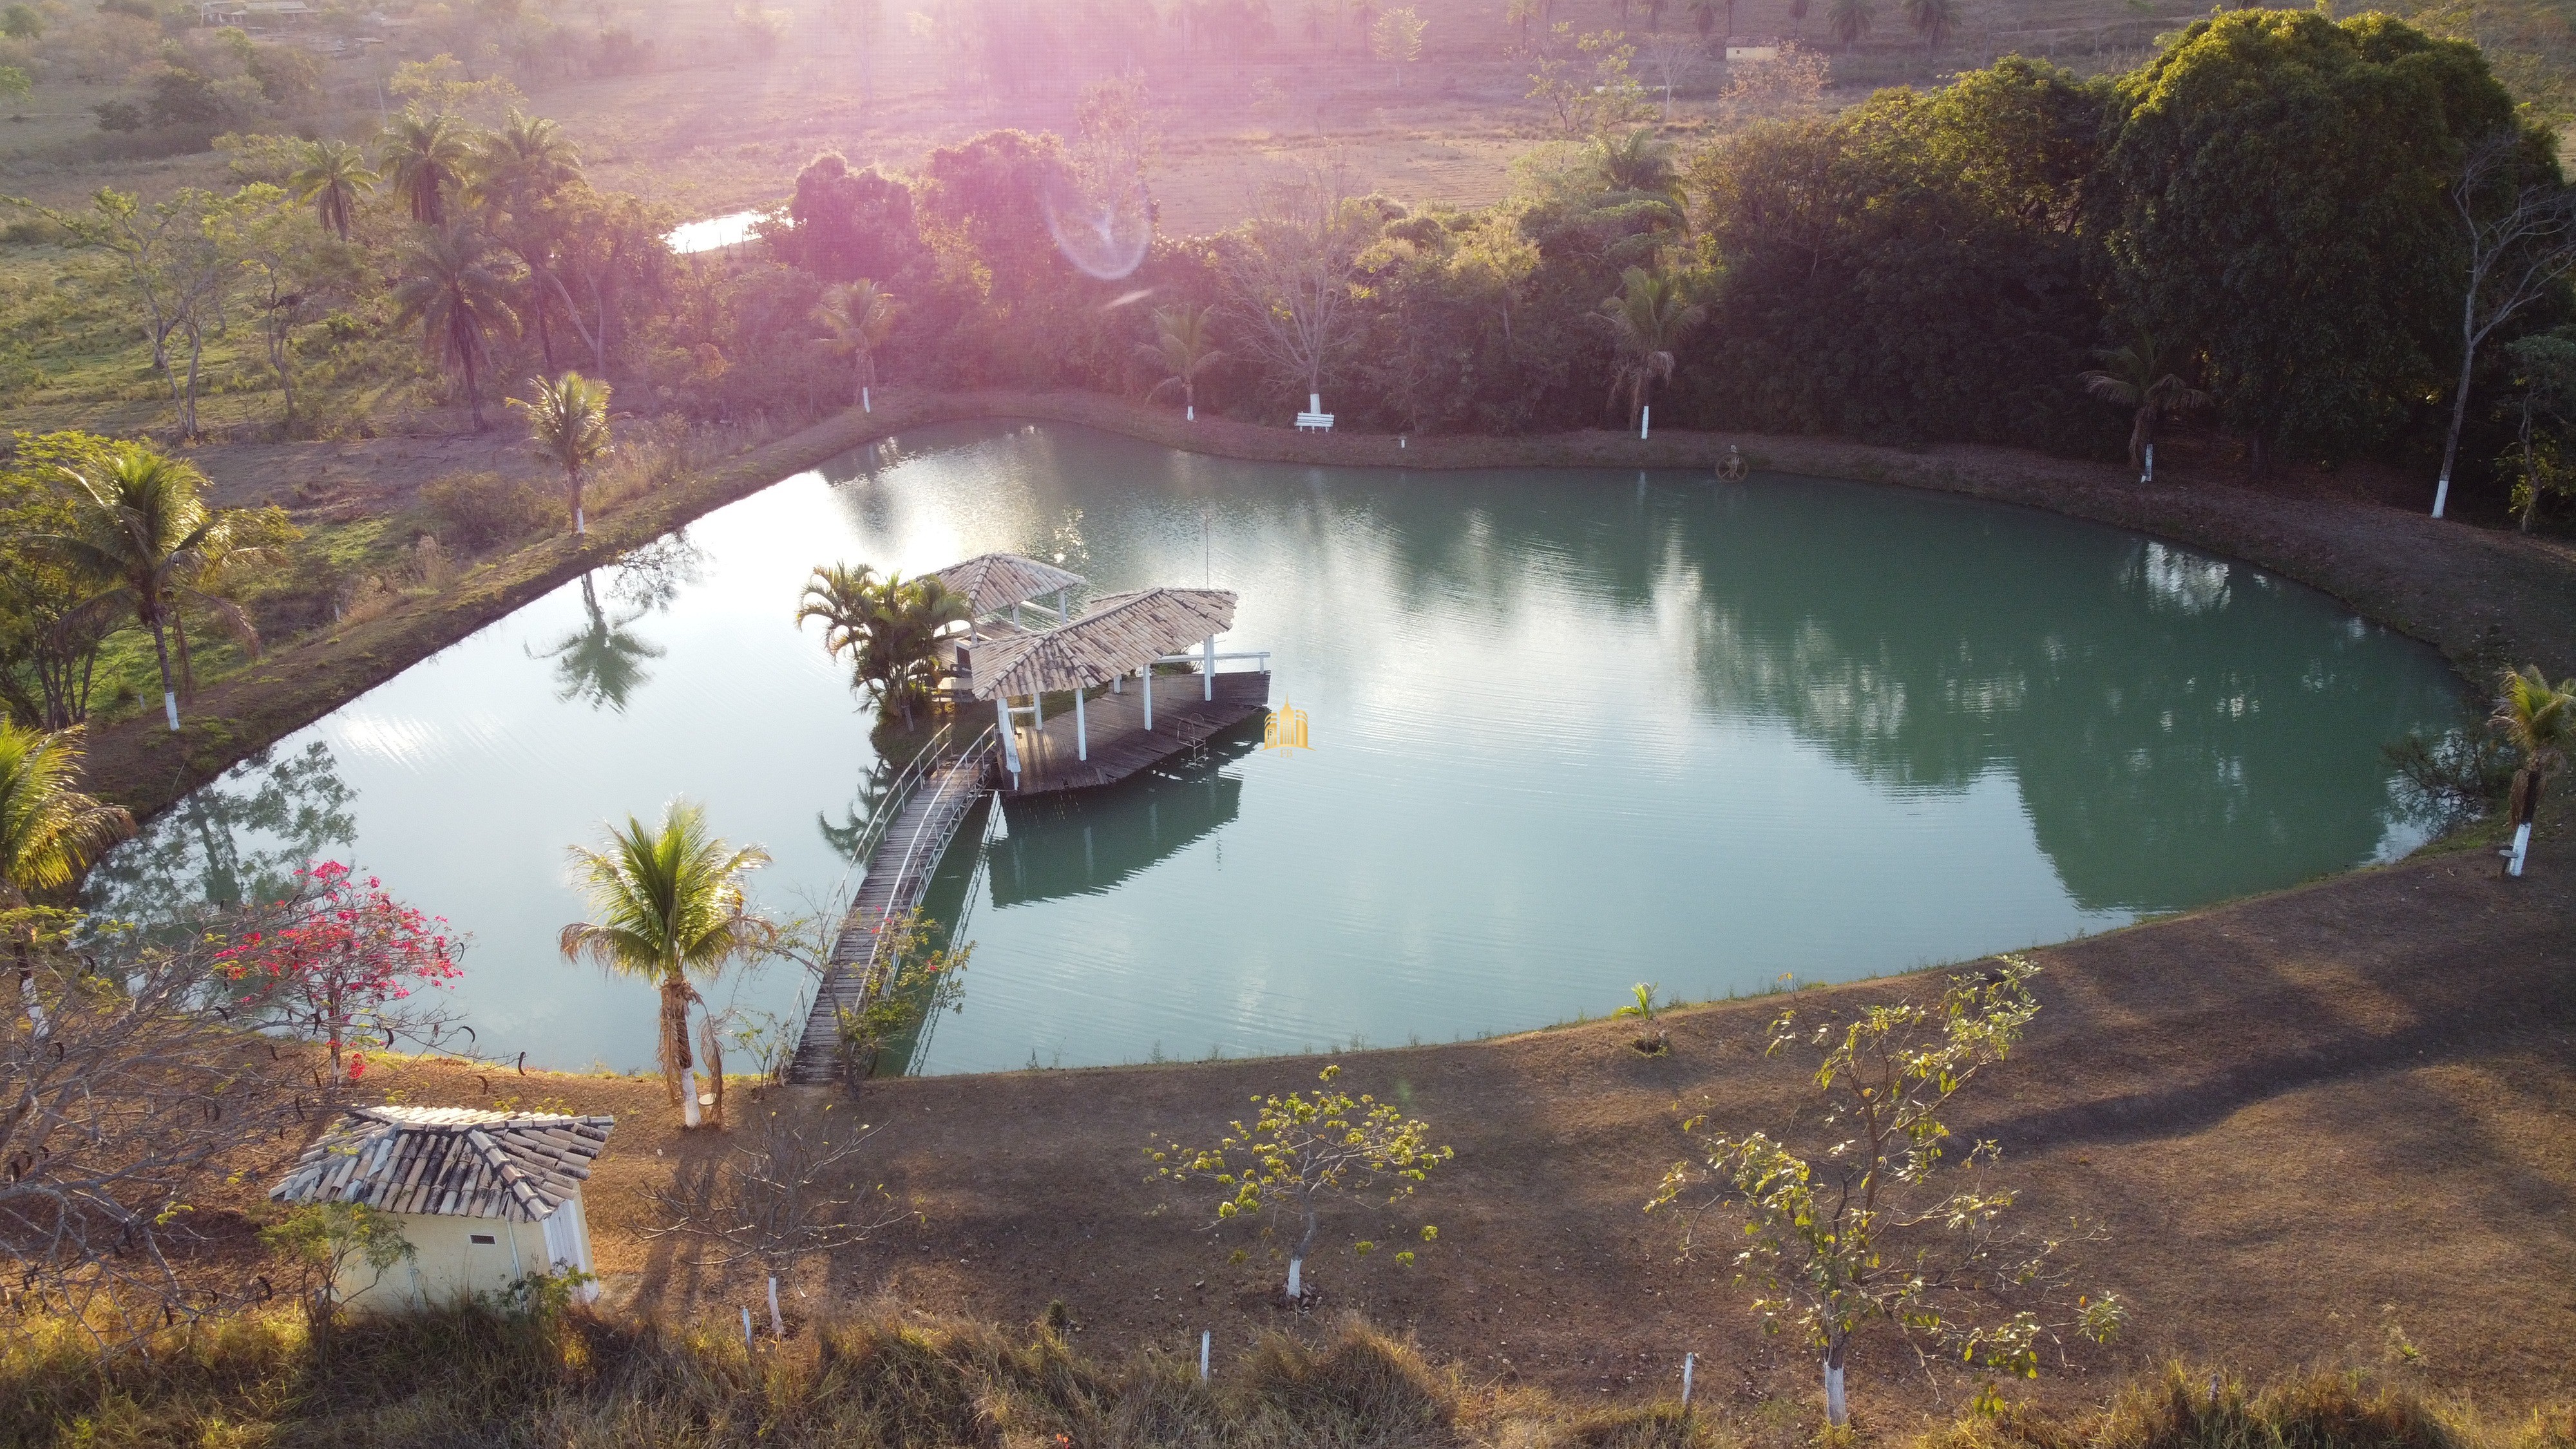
1875, 1228
1654, 1043
330, 1241
1298, 1150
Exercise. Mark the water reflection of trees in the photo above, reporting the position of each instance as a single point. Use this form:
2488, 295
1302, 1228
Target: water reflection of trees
242, 836
2178, 726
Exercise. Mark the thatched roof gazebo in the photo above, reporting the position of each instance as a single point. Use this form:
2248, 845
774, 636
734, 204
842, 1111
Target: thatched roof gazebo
992, 582
1120, 635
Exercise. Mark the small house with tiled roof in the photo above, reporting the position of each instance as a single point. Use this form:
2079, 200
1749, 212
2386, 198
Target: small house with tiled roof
484, 1198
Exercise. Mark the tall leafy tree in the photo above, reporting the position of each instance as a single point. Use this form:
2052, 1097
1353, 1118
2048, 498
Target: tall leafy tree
459, 294
668, 904
332, 175
2267, 169
1648, 319
1184, 346
2538, 722
856, 319
141, 528
568, 427
427, 157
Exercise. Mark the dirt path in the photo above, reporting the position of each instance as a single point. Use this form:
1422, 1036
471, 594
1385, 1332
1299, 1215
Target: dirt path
2309, 1123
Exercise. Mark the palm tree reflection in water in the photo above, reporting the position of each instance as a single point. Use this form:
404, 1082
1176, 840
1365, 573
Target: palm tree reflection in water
602, 662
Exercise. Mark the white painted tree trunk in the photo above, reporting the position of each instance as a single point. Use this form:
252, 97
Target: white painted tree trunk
777, 1325
2150, 475
1296, 1278
1190, 414
2521, 848
689, 1116
170, 706
865, 405
1645, 422
580, 525
1835, 1412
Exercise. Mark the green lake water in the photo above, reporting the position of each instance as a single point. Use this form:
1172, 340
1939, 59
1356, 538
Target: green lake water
1572, 729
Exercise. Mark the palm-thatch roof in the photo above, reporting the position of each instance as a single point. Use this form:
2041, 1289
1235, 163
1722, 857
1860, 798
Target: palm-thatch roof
457, 1162
1121, 634
993, 581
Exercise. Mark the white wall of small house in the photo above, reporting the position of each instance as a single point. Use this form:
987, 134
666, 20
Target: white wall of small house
448, 1264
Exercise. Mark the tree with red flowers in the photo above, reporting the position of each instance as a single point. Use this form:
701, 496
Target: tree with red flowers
340, 957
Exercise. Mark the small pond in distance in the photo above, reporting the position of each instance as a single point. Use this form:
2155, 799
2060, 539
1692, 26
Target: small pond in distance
1571, 730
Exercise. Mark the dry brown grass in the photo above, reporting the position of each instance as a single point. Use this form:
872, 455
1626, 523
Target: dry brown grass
886, 1380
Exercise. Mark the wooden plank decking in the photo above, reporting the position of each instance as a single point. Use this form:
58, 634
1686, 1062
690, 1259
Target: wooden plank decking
1120, 746
898, 876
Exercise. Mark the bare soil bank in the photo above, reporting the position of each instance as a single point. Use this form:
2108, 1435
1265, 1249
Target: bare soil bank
2485, 598
2314, 1124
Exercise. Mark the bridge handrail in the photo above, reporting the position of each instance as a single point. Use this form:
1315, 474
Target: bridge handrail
892, 802
912, 851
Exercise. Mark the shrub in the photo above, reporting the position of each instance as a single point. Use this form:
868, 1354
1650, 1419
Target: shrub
478, 511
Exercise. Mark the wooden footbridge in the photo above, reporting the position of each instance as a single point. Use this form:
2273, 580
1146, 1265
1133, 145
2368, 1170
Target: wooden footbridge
913, 825
1116, 660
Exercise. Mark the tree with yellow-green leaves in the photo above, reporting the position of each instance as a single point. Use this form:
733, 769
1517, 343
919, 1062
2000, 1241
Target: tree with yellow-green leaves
1298, 1150
1877, 1223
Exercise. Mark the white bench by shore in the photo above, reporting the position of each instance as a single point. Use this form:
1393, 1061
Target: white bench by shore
1314, 418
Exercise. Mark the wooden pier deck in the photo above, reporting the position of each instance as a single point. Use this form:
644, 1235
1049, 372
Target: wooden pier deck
899, 868
1120, 745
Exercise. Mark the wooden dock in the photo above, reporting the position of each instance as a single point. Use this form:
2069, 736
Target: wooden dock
1120, 744
931, 799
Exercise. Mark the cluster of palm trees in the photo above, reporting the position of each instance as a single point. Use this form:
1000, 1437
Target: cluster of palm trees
887, 627
139, 531
484, 255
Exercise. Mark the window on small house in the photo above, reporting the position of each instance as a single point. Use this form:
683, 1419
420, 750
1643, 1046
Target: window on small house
479, 1237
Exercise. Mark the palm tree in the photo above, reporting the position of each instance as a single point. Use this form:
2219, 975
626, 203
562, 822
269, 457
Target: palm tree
1184, 347
856, 319
1932, 19
2146, 379
333, 175
669, 903
529, 157
1639, 160
49, 831
568, 427
1518, 14
141, 528
427, 157
2538, 720
1648, 319
1849, 19
450, 286
888, 626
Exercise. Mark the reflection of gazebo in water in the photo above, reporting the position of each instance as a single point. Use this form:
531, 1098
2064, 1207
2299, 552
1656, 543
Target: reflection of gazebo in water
1141, 646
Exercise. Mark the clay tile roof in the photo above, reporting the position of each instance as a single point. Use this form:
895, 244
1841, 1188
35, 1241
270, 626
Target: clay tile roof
993, 581
1120, 634
448, 1162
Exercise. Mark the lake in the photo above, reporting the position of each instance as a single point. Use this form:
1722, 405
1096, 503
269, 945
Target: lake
1571, 729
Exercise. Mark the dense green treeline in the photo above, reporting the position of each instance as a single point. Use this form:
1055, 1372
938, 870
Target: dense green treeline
2269, 223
